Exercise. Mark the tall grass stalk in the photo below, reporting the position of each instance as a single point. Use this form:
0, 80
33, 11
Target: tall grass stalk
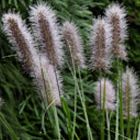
119, 108
75, 97
82, 98
103, 111
117, 116
138, 137
53, 118
135, 130
102, 121
52, 110
75, 113
128, 109
121, 100
57, 128
79, 87
108, 118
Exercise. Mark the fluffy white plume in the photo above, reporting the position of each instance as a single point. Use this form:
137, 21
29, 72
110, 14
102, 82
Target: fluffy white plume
50, 82
100, 43
46, 32
74, 42
105, 86
21, 39
39, 67
115, 16
131, 92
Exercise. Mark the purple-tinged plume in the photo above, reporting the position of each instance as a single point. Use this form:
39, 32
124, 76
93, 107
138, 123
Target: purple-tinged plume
46, 30
100, 43
115, 16
33, 61
105, 90
131, 92
19, 36
74, 43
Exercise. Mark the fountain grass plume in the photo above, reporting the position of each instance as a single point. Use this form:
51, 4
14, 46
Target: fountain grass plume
100, 43
33, 61
131, 92
115, 16
46, 31
74, 42
105, 88
53, 87
19, 36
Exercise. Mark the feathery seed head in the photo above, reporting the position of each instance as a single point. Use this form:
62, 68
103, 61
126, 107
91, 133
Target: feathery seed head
46, 32
115, 16
74, 42
105, 87
42, 71
131, 92
100, 43
49, 82
21, 39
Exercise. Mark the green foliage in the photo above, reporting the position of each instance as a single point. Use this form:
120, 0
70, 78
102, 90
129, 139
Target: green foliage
22, 115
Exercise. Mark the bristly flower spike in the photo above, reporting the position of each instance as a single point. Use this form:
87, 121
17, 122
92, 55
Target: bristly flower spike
115, 16
46, 30
106, 90
131, 92
19, 36
52, 85
100, 43
74, 42
22, 41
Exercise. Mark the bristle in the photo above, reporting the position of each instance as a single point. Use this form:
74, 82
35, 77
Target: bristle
115, 16
34, 62
46, 30
74, 42
100, 43
105, 86
131, 92
50, 82
21, 39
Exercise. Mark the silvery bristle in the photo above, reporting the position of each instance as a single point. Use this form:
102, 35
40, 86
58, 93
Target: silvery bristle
131, 92
105, 86
101, 44
74, 43
50, 82
21, 40
42, 72
115, 16
46, 31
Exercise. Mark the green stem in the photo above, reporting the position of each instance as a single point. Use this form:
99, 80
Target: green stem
81, 95
135, 129
75, 111
138, 137
108, 125
57, 123
82, 98
117, 117
121, 99
103, 112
